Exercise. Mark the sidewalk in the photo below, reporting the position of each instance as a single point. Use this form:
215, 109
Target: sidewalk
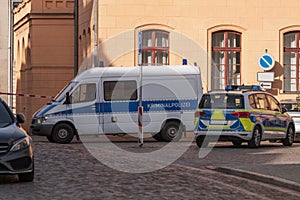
282, 175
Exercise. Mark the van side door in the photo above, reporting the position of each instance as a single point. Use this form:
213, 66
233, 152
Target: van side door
119, 106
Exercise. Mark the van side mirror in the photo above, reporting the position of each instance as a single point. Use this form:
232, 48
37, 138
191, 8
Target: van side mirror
68, 98
20, 118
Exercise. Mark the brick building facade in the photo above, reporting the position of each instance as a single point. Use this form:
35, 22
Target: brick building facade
44, 50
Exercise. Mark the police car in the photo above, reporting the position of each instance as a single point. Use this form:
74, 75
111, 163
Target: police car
242, 114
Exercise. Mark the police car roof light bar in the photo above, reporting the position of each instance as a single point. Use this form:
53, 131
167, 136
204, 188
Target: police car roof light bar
243, 87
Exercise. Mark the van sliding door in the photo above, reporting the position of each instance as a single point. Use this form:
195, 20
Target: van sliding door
120, 106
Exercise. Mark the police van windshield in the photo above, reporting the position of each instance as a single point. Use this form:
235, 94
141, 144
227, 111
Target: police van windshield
62, 94
222, 101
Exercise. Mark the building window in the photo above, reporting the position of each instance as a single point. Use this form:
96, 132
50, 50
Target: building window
291, 62
226, 56
155, 47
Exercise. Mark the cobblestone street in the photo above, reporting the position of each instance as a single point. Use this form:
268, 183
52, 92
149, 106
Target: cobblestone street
70, 172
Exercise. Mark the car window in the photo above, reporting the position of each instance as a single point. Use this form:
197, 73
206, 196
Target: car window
274, 104
222, 101
84, 93
120, 90
5, 117
261, 101
252, 101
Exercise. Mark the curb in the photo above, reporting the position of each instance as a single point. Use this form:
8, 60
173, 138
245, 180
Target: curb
258, 177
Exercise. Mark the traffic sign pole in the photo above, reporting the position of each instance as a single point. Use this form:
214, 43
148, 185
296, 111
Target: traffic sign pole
140, 108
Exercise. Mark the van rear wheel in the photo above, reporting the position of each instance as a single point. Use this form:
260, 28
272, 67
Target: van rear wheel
172, 131
63, 133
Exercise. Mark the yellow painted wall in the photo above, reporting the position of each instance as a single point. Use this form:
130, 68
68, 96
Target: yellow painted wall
191, 23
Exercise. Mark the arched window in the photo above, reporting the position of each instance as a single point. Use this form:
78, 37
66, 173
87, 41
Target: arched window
18, 61
155, 47
226, 56
291, 61
23, 55
89, 42
28, 52
84, 45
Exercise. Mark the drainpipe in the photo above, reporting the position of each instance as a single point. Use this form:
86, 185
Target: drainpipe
12, 5
75, 37
95, 33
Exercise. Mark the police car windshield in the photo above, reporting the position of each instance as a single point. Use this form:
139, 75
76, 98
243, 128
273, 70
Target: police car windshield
222, 101
61, 95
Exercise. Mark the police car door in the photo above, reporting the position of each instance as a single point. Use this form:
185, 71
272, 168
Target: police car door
83, 109
281, 121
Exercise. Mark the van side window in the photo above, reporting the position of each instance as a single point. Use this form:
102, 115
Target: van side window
120, 90
84, 93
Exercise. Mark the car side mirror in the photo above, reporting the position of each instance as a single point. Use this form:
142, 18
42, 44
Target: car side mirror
20, 118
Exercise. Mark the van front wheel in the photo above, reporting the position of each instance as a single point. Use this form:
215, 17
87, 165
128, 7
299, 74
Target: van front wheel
172, 131
63, 133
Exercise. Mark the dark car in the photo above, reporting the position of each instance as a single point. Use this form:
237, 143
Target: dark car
16, 154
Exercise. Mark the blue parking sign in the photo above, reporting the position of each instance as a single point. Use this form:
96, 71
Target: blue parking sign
266, 61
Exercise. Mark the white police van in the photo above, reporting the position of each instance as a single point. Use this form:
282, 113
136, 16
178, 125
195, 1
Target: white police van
105, 101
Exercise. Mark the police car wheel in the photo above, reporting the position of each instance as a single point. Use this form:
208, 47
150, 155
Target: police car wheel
201, 142
256, 138
288, 141
63, 133
172, 131
237, 143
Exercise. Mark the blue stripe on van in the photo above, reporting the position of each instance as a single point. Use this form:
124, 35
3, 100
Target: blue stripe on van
149, 106
44, 110
126, 107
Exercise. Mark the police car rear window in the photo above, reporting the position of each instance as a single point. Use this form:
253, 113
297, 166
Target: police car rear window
222, 101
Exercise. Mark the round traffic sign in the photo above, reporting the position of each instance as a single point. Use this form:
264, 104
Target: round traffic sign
266, 61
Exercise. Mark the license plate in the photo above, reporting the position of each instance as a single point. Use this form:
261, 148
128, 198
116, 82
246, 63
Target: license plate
218, 122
